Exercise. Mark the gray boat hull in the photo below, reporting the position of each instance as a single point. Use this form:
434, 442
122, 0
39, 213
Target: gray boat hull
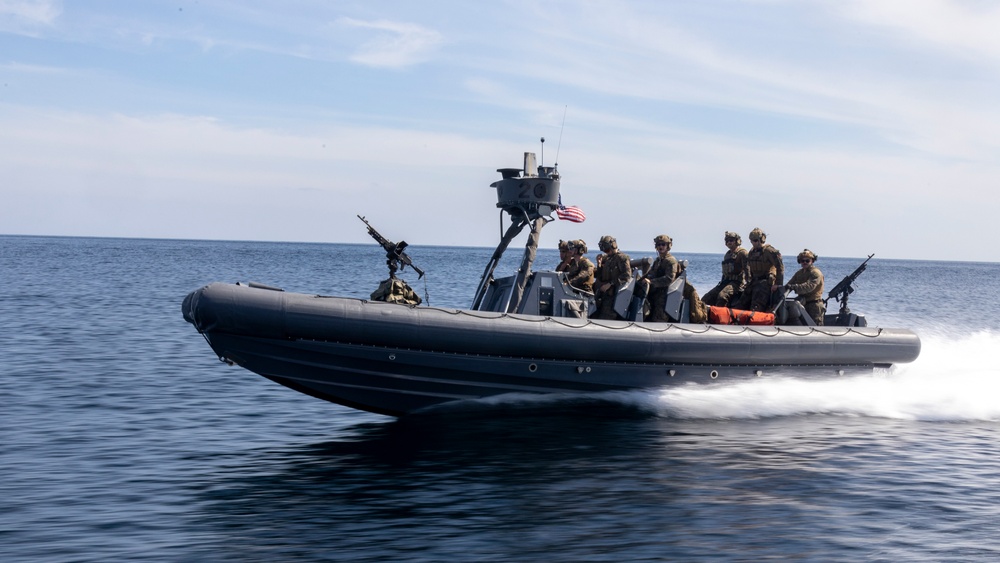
396, 359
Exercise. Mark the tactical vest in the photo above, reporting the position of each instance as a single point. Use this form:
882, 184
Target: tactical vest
731, 270
613, 267
807, 275
760, 266
579, 267
663, 271
663, 265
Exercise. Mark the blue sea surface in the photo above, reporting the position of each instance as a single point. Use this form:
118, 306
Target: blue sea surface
123, 438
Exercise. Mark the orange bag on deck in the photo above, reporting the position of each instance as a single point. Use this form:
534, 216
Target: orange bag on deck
727, 316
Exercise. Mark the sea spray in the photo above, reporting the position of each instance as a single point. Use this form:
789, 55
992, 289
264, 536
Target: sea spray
954, 379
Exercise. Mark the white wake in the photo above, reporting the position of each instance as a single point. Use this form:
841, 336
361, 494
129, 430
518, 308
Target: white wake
953, 379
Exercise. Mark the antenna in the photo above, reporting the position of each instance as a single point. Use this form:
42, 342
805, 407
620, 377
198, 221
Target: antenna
559, 144
543, 152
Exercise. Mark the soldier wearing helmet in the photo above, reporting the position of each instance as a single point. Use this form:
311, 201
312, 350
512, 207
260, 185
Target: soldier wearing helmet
581, 270
767, 271
612, 273
657, 280
807, 283
564, 256
734, 274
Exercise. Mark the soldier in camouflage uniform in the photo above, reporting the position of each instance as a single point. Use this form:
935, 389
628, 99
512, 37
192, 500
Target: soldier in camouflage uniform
766, 271
807, 283
565, 256
734, 274
612, 273
657, 280
581, 270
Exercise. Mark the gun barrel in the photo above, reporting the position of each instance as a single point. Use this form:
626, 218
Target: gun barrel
846, 285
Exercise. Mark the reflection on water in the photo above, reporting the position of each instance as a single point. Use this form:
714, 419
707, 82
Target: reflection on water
572, 486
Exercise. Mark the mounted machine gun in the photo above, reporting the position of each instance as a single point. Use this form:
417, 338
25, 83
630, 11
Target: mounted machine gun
845, 288
395, 257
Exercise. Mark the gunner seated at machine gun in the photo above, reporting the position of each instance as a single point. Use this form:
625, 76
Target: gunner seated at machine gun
808, 284
809, 308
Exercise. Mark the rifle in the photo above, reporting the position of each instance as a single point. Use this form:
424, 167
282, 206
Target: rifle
393, 252
842, 290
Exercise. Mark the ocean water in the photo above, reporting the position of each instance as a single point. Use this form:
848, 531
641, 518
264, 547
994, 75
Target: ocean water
123, 438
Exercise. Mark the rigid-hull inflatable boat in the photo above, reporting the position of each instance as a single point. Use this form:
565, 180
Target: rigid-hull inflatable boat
528, 333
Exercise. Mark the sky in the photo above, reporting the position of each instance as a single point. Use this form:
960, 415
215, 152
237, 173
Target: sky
848, 127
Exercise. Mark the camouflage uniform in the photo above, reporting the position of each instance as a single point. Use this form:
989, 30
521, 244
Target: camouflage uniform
698, 313
581, 273
565, 256
766, 269
615, 270
660, 276
734, 277
807, 283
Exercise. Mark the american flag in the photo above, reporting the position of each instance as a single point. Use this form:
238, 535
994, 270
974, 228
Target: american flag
570, 213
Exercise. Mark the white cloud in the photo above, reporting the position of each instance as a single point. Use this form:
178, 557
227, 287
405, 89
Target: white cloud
31, 69
30, 11
962, 26
837, 73
395, 45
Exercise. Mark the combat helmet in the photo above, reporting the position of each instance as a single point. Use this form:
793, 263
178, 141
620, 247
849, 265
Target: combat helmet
563, 245
758, 234
663, 239
806, 254
607, 242
730, 235
579, 245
